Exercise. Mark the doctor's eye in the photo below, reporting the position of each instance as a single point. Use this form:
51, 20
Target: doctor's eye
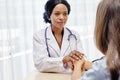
57, 14
65, 14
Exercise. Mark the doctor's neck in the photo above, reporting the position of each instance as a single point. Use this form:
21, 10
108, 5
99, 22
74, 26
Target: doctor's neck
57, 30
58, 34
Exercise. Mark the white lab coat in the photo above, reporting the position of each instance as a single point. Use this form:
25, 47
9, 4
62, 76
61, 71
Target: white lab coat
42, 61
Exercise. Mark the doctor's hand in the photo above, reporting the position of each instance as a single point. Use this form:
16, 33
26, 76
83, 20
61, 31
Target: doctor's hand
71, 58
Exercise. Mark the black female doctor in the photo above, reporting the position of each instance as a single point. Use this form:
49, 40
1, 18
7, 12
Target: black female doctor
53, 46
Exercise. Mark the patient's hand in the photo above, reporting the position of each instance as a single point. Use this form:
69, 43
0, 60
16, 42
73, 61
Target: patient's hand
87, 65
79, 64
78, 71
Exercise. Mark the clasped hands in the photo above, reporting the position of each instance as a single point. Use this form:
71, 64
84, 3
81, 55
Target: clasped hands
75, 58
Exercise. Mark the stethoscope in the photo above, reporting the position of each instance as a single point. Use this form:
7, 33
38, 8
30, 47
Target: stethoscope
70, 36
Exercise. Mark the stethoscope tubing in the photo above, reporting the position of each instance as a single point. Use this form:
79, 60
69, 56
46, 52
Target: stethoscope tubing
46, 42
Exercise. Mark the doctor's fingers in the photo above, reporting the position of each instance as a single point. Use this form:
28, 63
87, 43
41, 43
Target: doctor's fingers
78, 54
73, 59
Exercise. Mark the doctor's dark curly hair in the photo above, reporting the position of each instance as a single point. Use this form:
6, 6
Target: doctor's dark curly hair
49, 6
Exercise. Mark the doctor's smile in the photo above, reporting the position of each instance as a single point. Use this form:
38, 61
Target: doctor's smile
61, 23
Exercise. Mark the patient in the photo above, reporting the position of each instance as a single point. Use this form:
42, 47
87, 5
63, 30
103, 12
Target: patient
107, 37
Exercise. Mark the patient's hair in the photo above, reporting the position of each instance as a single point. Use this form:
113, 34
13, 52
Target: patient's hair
107, 34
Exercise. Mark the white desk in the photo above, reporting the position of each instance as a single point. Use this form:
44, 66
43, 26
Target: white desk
48, 76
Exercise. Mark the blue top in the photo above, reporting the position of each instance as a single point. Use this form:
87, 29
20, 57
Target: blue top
98, 71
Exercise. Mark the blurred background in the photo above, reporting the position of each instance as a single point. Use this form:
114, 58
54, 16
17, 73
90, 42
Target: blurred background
19, 19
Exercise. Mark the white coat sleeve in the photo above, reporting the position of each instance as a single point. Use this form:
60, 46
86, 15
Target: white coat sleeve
42, 61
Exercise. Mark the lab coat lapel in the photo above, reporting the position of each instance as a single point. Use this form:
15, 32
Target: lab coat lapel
52, 41
65, 42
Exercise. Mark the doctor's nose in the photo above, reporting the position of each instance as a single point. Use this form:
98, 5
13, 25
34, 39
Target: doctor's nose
61, 17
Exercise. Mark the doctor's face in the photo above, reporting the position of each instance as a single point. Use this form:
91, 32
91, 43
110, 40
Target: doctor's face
59, 16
